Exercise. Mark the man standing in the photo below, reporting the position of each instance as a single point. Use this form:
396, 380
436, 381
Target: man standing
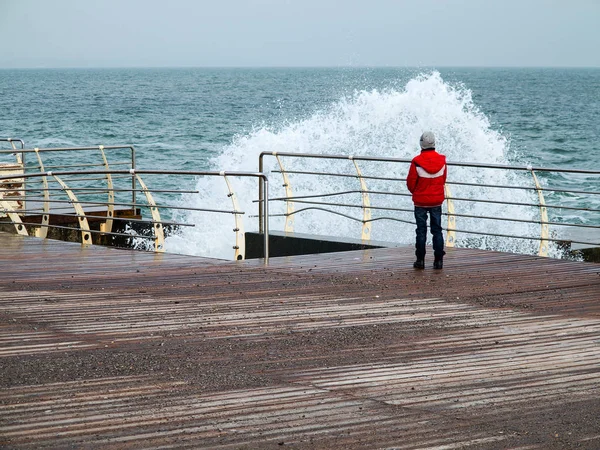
426, 179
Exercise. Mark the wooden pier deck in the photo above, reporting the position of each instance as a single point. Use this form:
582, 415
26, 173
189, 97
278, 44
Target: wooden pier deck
112, 349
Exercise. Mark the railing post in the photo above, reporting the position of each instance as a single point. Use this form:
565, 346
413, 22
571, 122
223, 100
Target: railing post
42, 231
366, 204
451, 230
266, 216
110, 210
240, 238
260, 195
159, 241
289, 217
544, 231
84, 227
133, 183
12, 215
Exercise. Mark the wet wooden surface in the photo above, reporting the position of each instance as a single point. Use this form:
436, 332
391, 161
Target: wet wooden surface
107, 348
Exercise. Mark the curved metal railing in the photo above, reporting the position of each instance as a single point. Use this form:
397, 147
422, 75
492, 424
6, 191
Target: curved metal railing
35, 160
83, 184
459, 204
65, 201
13, 142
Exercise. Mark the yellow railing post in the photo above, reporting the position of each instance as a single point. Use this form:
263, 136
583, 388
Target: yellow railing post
159, 234
14, 217
42, 231
544, 231
240, 237
86, 236
289, 215
110, 211
366, 204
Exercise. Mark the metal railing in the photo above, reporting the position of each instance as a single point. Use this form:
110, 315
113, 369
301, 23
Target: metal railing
36, 160
13, 141
59, 185
459, 205
66, 202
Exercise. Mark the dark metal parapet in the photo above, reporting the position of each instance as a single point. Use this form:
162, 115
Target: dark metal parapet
294, 244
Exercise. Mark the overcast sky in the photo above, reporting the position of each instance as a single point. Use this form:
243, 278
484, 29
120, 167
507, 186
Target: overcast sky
201, 33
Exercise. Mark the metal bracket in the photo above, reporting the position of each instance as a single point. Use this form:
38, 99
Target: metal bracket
16, 220
42, 231
451, 234
110, 212
240, 238
86, 236
159, 241
544, 232
289, 216
366, 204
18, 155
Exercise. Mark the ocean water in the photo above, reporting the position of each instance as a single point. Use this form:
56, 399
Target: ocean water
221, 119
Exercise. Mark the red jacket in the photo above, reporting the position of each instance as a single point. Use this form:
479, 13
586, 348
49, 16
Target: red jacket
426, 178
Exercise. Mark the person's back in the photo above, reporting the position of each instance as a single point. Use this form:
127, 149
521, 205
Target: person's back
426, 179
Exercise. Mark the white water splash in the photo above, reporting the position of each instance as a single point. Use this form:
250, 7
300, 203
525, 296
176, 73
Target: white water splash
375, 123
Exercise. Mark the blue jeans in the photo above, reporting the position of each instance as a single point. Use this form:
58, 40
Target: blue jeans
436, 231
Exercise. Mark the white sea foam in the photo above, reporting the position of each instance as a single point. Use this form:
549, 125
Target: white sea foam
374, 123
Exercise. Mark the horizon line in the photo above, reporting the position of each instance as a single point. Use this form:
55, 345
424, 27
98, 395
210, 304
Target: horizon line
428, 67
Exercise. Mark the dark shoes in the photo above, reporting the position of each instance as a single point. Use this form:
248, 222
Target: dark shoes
438, 263
419, 264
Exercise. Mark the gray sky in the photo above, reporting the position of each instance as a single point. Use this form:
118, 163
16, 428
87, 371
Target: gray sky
200, 33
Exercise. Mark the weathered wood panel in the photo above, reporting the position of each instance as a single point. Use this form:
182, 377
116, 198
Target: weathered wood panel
107, 348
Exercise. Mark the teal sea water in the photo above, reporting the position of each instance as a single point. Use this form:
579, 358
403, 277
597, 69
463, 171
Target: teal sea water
550, 116
198, 119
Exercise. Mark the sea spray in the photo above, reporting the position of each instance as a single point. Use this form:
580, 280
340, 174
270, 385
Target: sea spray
383, 123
